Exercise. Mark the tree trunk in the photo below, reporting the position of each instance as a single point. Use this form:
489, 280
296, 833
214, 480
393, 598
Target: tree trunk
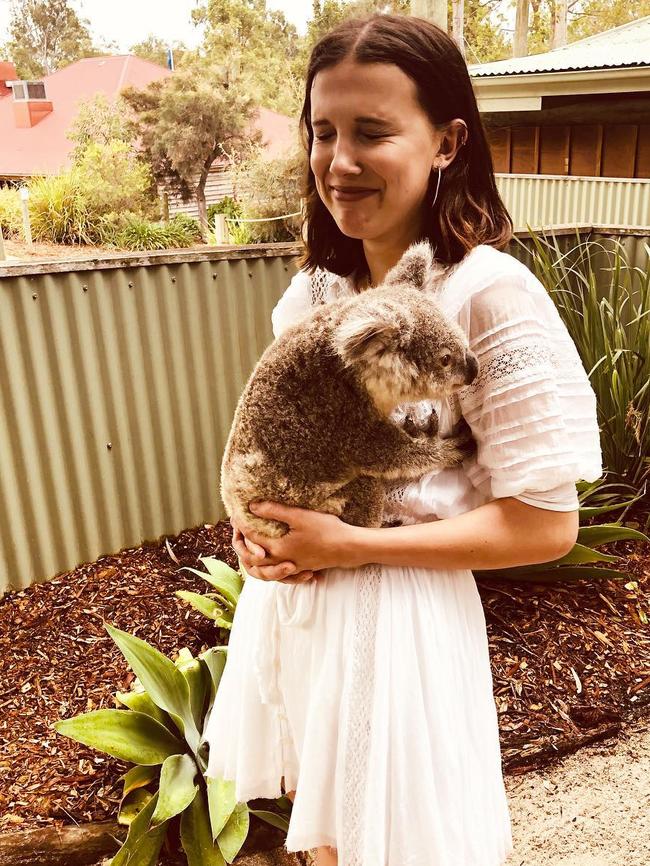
559, 37
458, 19
434, 10
200, 195
520, 44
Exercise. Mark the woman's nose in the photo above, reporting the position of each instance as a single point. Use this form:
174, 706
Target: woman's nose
344, 160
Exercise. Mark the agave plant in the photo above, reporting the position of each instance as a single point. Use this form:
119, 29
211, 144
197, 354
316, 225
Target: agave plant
160, 730
578, 564
218, 606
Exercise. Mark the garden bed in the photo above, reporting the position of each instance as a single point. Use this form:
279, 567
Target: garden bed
570, 663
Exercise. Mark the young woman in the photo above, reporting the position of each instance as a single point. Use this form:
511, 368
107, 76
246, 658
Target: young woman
358, 670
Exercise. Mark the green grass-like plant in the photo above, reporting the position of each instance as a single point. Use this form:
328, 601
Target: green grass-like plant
604, 301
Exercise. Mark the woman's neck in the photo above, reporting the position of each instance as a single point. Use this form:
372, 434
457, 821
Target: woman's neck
381, 257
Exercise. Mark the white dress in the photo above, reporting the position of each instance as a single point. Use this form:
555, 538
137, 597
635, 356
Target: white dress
370, 690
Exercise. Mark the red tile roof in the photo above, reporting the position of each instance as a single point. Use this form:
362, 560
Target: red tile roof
45, 148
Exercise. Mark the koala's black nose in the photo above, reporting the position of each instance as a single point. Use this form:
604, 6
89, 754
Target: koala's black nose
471, 367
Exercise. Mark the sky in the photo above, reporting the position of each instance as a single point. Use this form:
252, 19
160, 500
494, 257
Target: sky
129, 21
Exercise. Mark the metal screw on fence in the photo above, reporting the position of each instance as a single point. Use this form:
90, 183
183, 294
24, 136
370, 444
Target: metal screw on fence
27, 227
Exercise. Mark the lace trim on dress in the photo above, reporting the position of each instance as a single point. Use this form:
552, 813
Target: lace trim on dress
359, 705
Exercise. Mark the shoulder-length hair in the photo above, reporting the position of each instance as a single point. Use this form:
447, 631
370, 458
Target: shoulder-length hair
469, 210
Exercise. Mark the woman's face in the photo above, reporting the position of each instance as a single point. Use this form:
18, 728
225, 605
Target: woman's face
373, 150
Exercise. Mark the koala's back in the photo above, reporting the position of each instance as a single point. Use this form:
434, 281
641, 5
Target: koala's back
299, 422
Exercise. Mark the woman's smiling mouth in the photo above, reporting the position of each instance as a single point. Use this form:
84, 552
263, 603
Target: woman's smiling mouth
351, 193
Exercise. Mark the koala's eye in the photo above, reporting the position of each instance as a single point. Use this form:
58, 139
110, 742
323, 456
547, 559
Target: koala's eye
445, 360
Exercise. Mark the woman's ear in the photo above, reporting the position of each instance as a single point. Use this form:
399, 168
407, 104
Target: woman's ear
454, 136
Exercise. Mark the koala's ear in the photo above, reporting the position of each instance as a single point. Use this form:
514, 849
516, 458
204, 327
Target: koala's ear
365, 336
417, 268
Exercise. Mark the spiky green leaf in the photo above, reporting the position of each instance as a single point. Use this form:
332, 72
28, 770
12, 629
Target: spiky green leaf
177, 788
233, 835
592, 536
196, 838
221, 802
124, 734
271, 818
203, 603
132, 805
142, 845
161, 679
142, 703
138, 777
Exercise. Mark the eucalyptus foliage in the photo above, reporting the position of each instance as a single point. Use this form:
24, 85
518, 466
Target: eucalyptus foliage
161, 731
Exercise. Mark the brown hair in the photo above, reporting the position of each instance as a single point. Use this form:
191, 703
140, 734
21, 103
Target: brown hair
469, 210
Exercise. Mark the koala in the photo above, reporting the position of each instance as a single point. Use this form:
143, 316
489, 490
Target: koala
312, 426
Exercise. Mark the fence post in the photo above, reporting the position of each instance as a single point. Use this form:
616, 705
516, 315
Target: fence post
3, 255
27, 227
221, 235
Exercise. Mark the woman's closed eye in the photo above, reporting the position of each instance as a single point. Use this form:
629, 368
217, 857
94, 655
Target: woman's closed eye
368, 135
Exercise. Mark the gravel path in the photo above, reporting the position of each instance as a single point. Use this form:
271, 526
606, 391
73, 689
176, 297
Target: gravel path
590, 809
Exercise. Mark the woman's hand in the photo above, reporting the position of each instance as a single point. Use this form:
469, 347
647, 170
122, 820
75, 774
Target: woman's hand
315, 541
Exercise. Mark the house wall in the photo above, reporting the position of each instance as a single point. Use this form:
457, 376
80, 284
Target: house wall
218, 185
594, 150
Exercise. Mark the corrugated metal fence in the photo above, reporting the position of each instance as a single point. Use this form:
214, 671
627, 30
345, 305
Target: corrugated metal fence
551, 200
117, 389
118, 382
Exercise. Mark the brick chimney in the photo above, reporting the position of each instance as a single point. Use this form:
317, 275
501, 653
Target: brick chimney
29, 103
7, 73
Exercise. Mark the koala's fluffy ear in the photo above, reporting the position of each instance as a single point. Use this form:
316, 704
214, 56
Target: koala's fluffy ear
366, 336
417, 268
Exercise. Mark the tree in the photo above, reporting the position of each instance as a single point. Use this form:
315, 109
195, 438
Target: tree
100, 121
184, 122
155, 49
257, 45
520, 43
45, 35
588, 17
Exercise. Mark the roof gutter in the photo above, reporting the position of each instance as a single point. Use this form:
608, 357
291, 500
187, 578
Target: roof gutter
523, 91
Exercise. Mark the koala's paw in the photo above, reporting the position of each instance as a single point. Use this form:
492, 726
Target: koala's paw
460, 444
426, 431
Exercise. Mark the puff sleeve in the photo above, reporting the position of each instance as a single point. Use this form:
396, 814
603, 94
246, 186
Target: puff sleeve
531, 408
294, 303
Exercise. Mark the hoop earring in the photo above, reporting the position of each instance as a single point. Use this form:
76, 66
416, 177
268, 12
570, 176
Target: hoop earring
437, 188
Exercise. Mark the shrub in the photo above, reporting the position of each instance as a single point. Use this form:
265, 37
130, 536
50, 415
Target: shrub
60, 211
269, 188
605, 303
11, 220
113, 179
228, 206
185, 229
130, 231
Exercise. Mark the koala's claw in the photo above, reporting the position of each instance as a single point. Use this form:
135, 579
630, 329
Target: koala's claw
461, 441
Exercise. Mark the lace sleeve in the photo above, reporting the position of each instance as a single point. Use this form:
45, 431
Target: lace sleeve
295, 303
531, 407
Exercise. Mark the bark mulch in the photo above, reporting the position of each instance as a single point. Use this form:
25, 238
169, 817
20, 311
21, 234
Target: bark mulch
571, 663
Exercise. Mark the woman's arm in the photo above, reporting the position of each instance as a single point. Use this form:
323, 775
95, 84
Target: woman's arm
500, 534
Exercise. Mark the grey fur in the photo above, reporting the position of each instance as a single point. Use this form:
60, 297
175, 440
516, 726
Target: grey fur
312, 429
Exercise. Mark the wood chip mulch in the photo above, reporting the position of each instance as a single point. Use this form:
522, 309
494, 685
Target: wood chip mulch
571, 663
